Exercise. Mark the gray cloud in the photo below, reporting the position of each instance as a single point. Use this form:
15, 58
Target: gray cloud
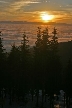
4, 2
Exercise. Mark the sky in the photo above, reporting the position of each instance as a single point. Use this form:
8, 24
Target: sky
31, 10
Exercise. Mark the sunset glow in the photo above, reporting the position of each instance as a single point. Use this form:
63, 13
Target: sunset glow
46, 17
36, 10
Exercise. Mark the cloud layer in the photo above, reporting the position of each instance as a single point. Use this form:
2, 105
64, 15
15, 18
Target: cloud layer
29, 10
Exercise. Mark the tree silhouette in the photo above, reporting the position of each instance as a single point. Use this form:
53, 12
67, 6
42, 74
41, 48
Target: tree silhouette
2, 67
37, 62
45, 60
45, 52
34, 69
13, 69
55, 65
24, 59
2, 59
68, 83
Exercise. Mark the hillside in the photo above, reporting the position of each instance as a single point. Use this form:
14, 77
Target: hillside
65, 51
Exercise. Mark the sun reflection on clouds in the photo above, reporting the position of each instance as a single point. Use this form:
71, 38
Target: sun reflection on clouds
17, 5
46, 17
27, 10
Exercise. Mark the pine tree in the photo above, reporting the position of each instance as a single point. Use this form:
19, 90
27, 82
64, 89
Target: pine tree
24, 48
1, 61
25, 60
54, 42
55, 65
38, 47
24, 52
2, 67
45, 60
13, 70
14, 63
1, 48
45, 55
41, 59
2, 57
38, 43
38, 50
45, 45
68, 82
45, 39
37, 63
24, 44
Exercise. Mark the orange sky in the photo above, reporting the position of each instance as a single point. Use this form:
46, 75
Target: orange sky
31, 10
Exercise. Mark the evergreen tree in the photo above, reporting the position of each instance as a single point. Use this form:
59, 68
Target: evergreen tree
24, 44
38, 43
14, 64
38, 53
2, 62
68, 83
54, 42
45, 39
24, 48
45, 61
1, 50
45, 56
2, 68
41, 60
55, 66
13, 70
24, 59
45, 53
37, 60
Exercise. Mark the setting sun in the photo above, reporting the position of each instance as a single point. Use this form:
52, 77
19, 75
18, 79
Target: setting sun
46, 17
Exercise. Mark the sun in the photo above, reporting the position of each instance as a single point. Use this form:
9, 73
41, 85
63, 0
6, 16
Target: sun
46, 17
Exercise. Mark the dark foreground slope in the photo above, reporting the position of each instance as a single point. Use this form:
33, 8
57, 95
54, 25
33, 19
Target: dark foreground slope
65, 52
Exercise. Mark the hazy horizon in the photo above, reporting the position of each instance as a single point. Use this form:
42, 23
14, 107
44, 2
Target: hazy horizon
45, 23
13, 32
36, 10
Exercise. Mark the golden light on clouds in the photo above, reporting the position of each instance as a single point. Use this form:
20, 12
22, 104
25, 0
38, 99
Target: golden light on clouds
46, 17
36, 10
19, 4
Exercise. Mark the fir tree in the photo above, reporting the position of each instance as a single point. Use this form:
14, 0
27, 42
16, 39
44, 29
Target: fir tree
38, 50
45, 55
54, 42
25, 60
2, 56
24, 48
1, 48
37, 63
45, 39
2, 68
38, 43
14, 69
68, 82
45, 60
24, 44
55, 65
14, 63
